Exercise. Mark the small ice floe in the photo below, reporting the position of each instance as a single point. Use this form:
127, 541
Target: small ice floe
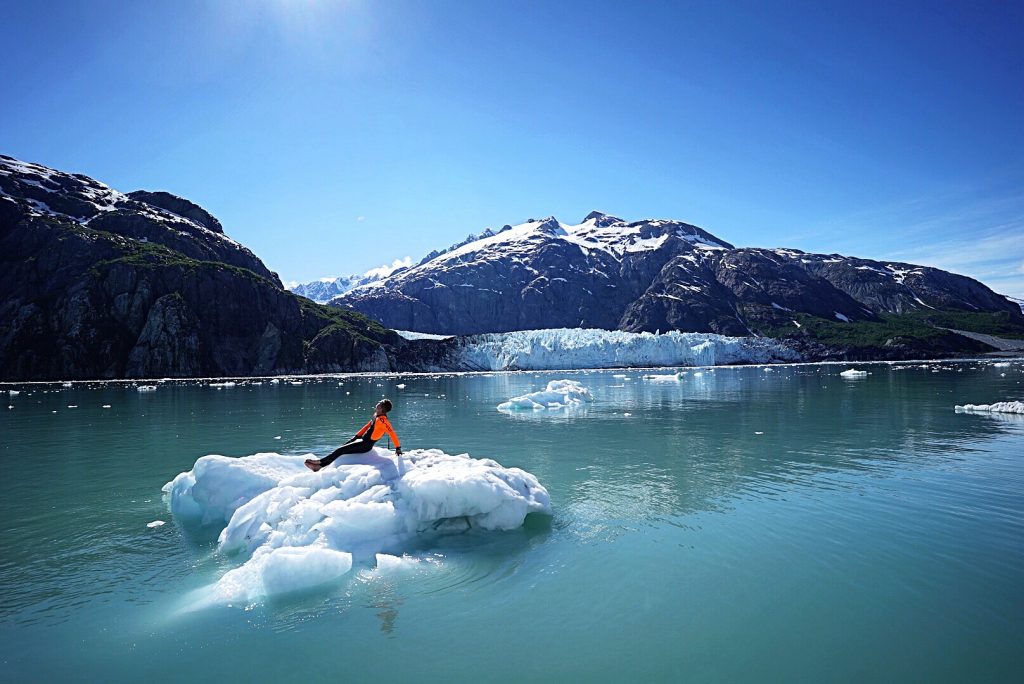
558, 394
275, 381
386, 563
156, 523
146, 388
106, 406
400, 385
1001, 364
295, 382
854, 373
998, 407
72, 405
10, 406
13, 393
627, 415
671, 377
219, 385
759, 432
278, 437
65, 384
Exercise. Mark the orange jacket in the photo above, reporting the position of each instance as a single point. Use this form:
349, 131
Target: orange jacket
379, 425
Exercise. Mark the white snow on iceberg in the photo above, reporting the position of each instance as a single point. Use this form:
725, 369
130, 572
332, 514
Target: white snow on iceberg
568, 348
558, 394
302, 529
998, 407
854, 373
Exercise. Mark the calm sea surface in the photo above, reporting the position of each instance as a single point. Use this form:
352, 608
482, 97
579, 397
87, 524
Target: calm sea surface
741, 524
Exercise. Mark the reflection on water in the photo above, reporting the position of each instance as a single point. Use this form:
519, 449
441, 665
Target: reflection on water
771, 497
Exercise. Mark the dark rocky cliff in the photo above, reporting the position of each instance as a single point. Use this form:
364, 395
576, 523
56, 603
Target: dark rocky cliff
97, 284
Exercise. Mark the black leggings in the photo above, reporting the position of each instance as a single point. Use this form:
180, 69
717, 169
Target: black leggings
360, 445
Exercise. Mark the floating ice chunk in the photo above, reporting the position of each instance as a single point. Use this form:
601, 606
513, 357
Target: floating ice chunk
217, 485
386, 563
219, 385
558, 394
156, 523
277, 437
1001, 364
854, 373
276, 571
106, 406
13, 393
671, 377
146, 388
66, 384
998, 407
303, 529
400, 386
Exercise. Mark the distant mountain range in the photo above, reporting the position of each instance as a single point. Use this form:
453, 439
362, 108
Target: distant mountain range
95, 283
661, 275
325, 289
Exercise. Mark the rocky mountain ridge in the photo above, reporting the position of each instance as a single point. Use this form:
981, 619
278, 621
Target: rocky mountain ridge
659, 275
95, 283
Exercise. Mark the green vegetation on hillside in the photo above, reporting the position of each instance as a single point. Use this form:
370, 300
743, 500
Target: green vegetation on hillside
907, 328
352, 322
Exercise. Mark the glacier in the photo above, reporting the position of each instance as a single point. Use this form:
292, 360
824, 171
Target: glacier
558, 394
300, 529
571, 348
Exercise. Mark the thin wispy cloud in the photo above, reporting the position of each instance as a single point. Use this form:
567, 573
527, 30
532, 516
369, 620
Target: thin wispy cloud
966, 231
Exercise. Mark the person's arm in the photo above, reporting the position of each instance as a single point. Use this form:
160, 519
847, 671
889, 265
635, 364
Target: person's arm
362, 430
394, 438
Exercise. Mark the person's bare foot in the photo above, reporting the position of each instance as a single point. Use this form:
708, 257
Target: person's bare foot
313, 464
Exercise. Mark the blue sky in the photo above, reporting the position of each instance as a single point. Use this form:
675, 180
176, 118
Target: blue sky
331, 137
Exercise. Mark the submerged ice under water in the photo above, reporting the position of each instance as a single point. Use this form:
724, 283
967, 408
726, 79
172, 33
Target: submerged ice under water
302, 529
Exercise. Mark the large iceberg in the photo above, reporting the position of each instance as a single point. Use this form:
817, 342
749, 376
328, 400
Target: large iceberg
558, 394
566, 348
301, 529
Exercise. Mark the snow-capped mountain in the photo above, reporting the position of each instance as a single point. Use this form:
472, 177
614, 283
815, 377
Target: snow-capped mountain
156, 217
646, 276
326, 289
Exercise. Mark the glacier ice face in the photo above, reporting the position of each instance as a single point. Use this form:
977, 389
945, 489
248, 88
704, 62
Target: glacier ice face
558, 394
301, 529
998, 407
568, 348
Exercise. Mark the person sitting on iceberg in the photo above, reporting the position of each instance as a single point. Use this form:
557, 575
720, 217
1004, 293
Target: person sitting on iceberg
364, 440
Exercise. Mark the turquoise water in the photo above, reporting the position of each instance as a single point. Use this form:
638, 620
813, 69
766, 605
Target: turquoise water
739, 525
